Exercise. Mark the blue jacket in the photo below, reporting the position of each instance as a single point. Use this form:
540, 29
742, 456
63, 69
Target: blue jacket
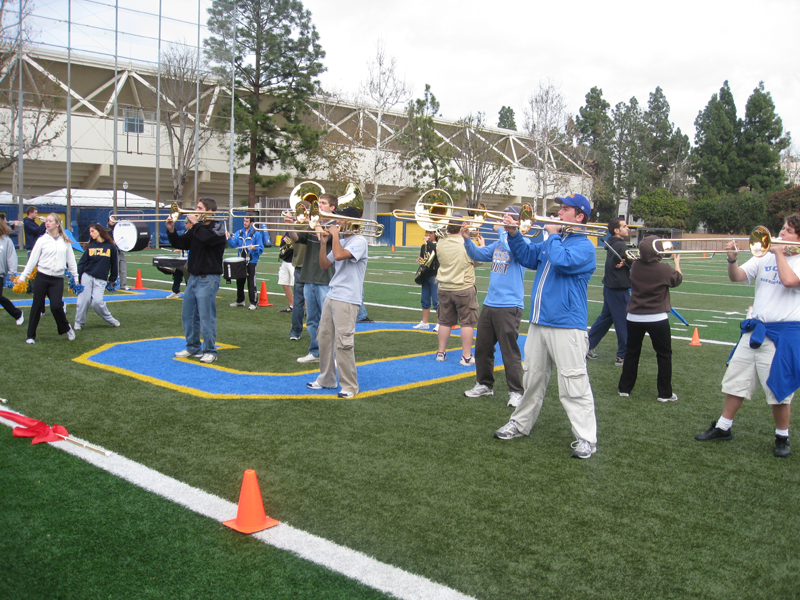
563, 269
32, 232
506, 287
784, 372
243, 238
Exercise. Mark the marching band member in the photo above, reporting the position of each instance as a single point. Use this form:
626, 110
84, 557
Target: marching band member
51, 255
500, 316
206, 242
337, 325
557, 335
98, 261
8, 268
249, 245
768, 351
429, 294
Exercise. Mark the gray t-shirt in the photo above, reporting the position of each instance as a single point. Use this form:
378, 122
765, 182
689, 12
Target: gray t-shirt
347, 284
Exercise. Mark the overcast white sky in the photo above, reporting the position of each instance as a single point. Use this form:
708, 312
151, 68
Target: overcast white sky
481, 55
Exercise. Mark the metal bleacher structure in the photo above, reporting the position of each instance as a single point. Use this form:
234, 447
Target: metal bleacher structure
101, 101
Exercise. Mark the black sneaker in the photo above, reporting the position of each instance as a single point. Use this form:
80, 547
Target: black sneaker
782, 448
714, 433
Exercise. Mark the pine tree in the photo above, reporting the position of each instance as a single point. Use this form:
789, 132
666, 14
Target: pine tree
666, 149
761, 143
506, 118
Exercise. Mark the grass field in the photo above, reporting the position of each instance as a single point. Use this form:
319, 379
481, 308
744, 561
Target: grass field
412, 478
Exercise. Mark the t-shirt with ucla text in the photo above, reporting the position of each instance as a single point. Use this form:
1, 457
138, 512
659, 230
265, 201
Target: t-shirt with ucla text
774, 302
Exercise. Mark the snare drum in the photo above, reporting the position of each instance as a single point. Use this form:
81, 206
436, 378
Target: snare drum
131, 236
168, 264
234, 268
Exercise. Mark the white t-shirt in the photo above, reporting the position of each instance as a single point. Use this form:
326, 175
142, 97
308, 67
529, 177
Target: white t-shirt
347, 283
773, 302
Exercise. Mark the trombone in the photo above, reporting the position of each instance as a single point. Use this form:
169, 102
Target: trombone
175, 213
761, 241
302, 197
352, 198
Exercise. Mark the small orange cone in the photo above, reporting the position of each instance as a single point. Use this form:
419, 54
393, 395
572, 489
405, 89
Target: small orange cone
138, 285
392, 247
263, 299
250, 516
695, 338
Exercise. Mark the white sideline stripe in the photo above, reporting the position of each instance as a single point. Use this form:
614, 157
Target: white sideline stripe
350, 563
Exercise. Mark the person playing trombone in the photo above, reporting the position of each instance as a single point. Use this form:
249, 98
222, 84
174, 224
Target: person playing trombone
557, 337
768, 351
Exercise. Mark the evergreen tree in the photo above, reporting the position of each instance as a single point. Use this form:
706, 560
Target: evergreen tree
666, 150
761, 143
596, 129
506, 118
714, 160
276, 61
628, 157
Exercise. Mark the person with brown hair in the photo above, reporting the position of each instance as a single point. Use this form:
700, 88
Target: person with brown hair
97, 269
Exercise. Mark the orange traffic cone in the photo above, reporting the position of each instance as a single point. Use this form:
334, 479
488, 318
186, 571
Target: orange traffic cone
250, 516
138, 285
263, 299
695, 338
392, 247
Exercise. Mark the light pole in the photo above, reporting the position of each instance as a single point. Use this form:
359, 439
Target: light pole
125, 197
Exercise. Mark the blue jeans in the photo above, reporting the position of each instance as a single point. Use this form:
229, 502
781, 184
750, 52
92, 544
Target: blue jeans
430, 293
315, 297
199, 313
299, 304
614, 311
362, 312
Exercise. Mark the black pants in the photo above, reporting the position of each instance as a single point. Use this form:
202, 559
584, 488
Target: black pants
45, 286
661, 338
499, 325
8, 305
251, 284
177, 277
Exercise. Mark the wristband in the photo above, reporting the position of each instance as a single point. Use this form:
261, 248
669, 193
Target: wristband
731, 262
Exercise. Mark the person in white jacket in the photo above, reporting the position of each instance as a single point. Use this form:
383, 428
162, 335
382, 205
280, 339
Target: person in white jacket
52, 255
8, 268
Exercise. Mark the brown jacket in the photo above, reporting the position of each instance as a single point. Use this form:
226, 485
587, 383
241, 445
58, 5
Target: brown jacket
650, 281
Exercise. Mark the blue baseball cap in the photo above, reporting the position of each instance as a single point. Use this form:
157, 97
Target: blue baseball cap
578, 201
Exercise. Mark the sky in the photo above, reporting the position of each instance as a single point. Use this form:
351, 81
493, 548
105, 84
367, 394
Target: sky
479, 56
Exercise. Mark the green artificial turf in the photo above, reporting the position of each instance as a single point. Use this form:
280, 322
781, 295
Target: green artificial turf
413, 478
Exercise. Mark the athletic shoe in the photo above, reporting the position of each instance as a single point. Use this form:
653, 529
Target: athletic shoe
294, 338
514, 399
508, 431
313, 385
479, 390
187, 354
287, 310
71, 334
441, 356
672, 398
173, 296
115, 323
422, 325
77, 327
467, 361
308, 358
714, 433
208, 358
127, 288
344, 394
21, 319
619, 361
253, 306
583, 449
592, 354
782, 448
30, 341
436, 327
235, 304
625, 394
365, 320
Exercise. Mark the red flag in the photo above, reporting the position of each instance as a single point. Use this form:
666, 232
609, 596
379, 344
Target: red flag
38, 430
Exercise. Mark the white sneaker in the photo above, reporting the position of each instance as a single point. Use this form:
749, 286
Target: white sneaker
187, 354
479, 390
235, 304
436, 327
583, 449
672, 398
467, 361
173, 296
77, 327
30, 341
308, 358
253, 307
514, 399
422, 325
115, 323
21, 319
71, 334
208, 358
441, 356
509, 431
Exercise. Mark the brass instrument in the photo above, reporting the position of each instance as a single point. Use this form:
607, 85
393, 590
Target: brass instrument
175, 213
761, 240
691, 246
352, 198
432, 211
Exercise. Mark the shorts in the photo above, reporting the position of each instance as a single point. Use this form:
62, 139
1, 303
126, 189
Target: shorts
458, 308
749, 367
286, 274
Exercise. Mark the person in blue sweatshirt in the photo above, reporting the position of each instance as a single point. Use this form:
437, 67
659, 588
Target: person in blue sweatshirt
500, 316
97, 268
250, 245
557, 338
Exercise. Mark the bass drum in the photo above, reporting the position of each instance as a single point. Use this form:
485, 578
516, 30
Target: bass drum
131, 236
234, 268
